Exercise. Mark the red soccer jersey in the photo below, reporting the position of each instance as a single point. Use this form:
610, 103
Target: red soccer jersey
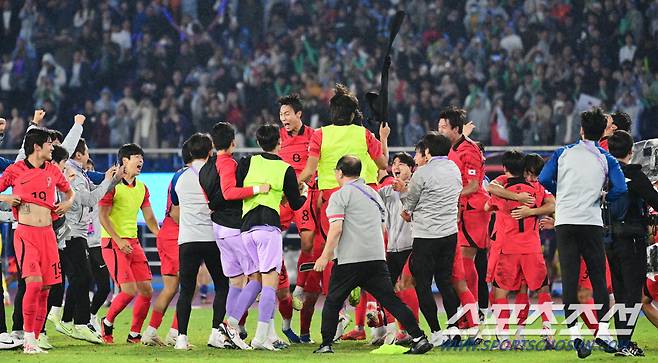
294, 148
34, 185
518, 236
470, 161
604, 143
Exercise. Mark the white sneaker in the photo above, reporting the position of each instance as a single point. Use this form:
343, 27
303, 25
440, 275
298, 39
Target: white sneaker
31, 346
344, 321
377, 335
233, 336
7, 342
217, 340
170, 340
151, 338
181, 343
93, 320
438, 339
18, 336
264, 345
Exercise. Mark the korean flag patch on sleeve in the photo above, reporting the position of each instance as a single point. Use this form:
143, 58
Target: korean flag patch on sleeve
471, 172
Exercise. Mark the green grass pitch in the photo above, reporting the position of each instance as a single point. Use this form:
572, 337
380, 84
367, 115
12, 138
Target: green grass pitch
70, 350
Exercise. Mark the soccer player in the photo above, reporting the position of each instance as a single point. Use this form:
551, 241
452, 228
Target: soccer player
355, 239
649, 300
167, 244
122, 251
519, 259
261, 233
98, 267
615, 121
34, 182
579, 173
432, 201
473, 220
218, 180
197, 245
295, 138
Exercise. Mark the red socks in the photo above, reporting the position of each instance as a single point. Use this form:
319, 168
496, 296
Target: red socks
523, 299
42, 312
156, 319
174, 324
140, 311
467, 298
304, 257
409, 297
471, 274
591, 324
285, 307
360, 311
31, 306
305, 317
544, 298
118, 304
504, 313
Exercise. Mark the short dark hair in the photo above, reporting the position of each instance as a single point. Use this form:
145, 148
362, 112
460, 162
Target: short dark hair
534, 163
199, 145
437, 144
222, 135
36, 136
456, 117
57, 135
350, 165
620, 144
80, 147
342, 106
59, 153
405, 159
593, 123
268, 137
514, 162
128, 150
293, 100
185, 153
622, 120
91, 161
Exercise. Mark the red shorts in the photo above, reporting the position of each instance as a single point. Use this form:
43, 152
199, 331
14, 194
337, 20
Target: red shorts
585, 283
37, 255
167, 243
458, 273
284, 283
494, 253
513, 270
305, 217
406, 270
123, 268
651, 289
473, 229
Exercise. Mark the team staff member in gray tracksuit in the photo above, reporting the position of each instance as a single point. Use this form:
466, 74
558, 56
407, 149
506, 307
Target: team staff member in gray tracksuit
431, 205
77, 306
356, 238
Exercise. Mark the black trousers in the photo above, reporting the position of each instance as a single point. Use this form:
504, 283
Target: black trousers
372, 276
191, 255
627, 259
101, 277
395, 262
574, 242
433, 258
481, 259
77, 272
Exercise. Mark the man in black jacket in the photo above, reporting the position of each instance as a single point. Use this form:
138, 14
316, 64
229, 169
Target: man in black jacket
627, 221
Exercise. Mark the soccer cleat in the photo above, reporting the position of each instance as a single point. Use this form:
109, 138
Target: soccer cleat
170, 340
233, 336
607, 345
637, 350
87, 334
279, 344
437, 339
43, 342
324, 349
218, 340
373, 315
31, 348
344, 321
292, 336
18, 336
95, 323
403, 338
7, 342
583, 350
264, 345
355, 334
306, 339
151, 339
106, 332
55, 317
65, 328
420, 346
355, 297
136, 339
181, 343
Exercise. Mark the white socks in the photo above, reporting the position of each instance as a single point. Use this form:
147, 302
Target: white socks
262, 331
285, 325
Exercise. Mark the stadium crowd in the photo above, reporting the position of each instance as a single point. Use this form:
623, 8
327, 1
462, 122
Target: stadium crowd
156, 71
